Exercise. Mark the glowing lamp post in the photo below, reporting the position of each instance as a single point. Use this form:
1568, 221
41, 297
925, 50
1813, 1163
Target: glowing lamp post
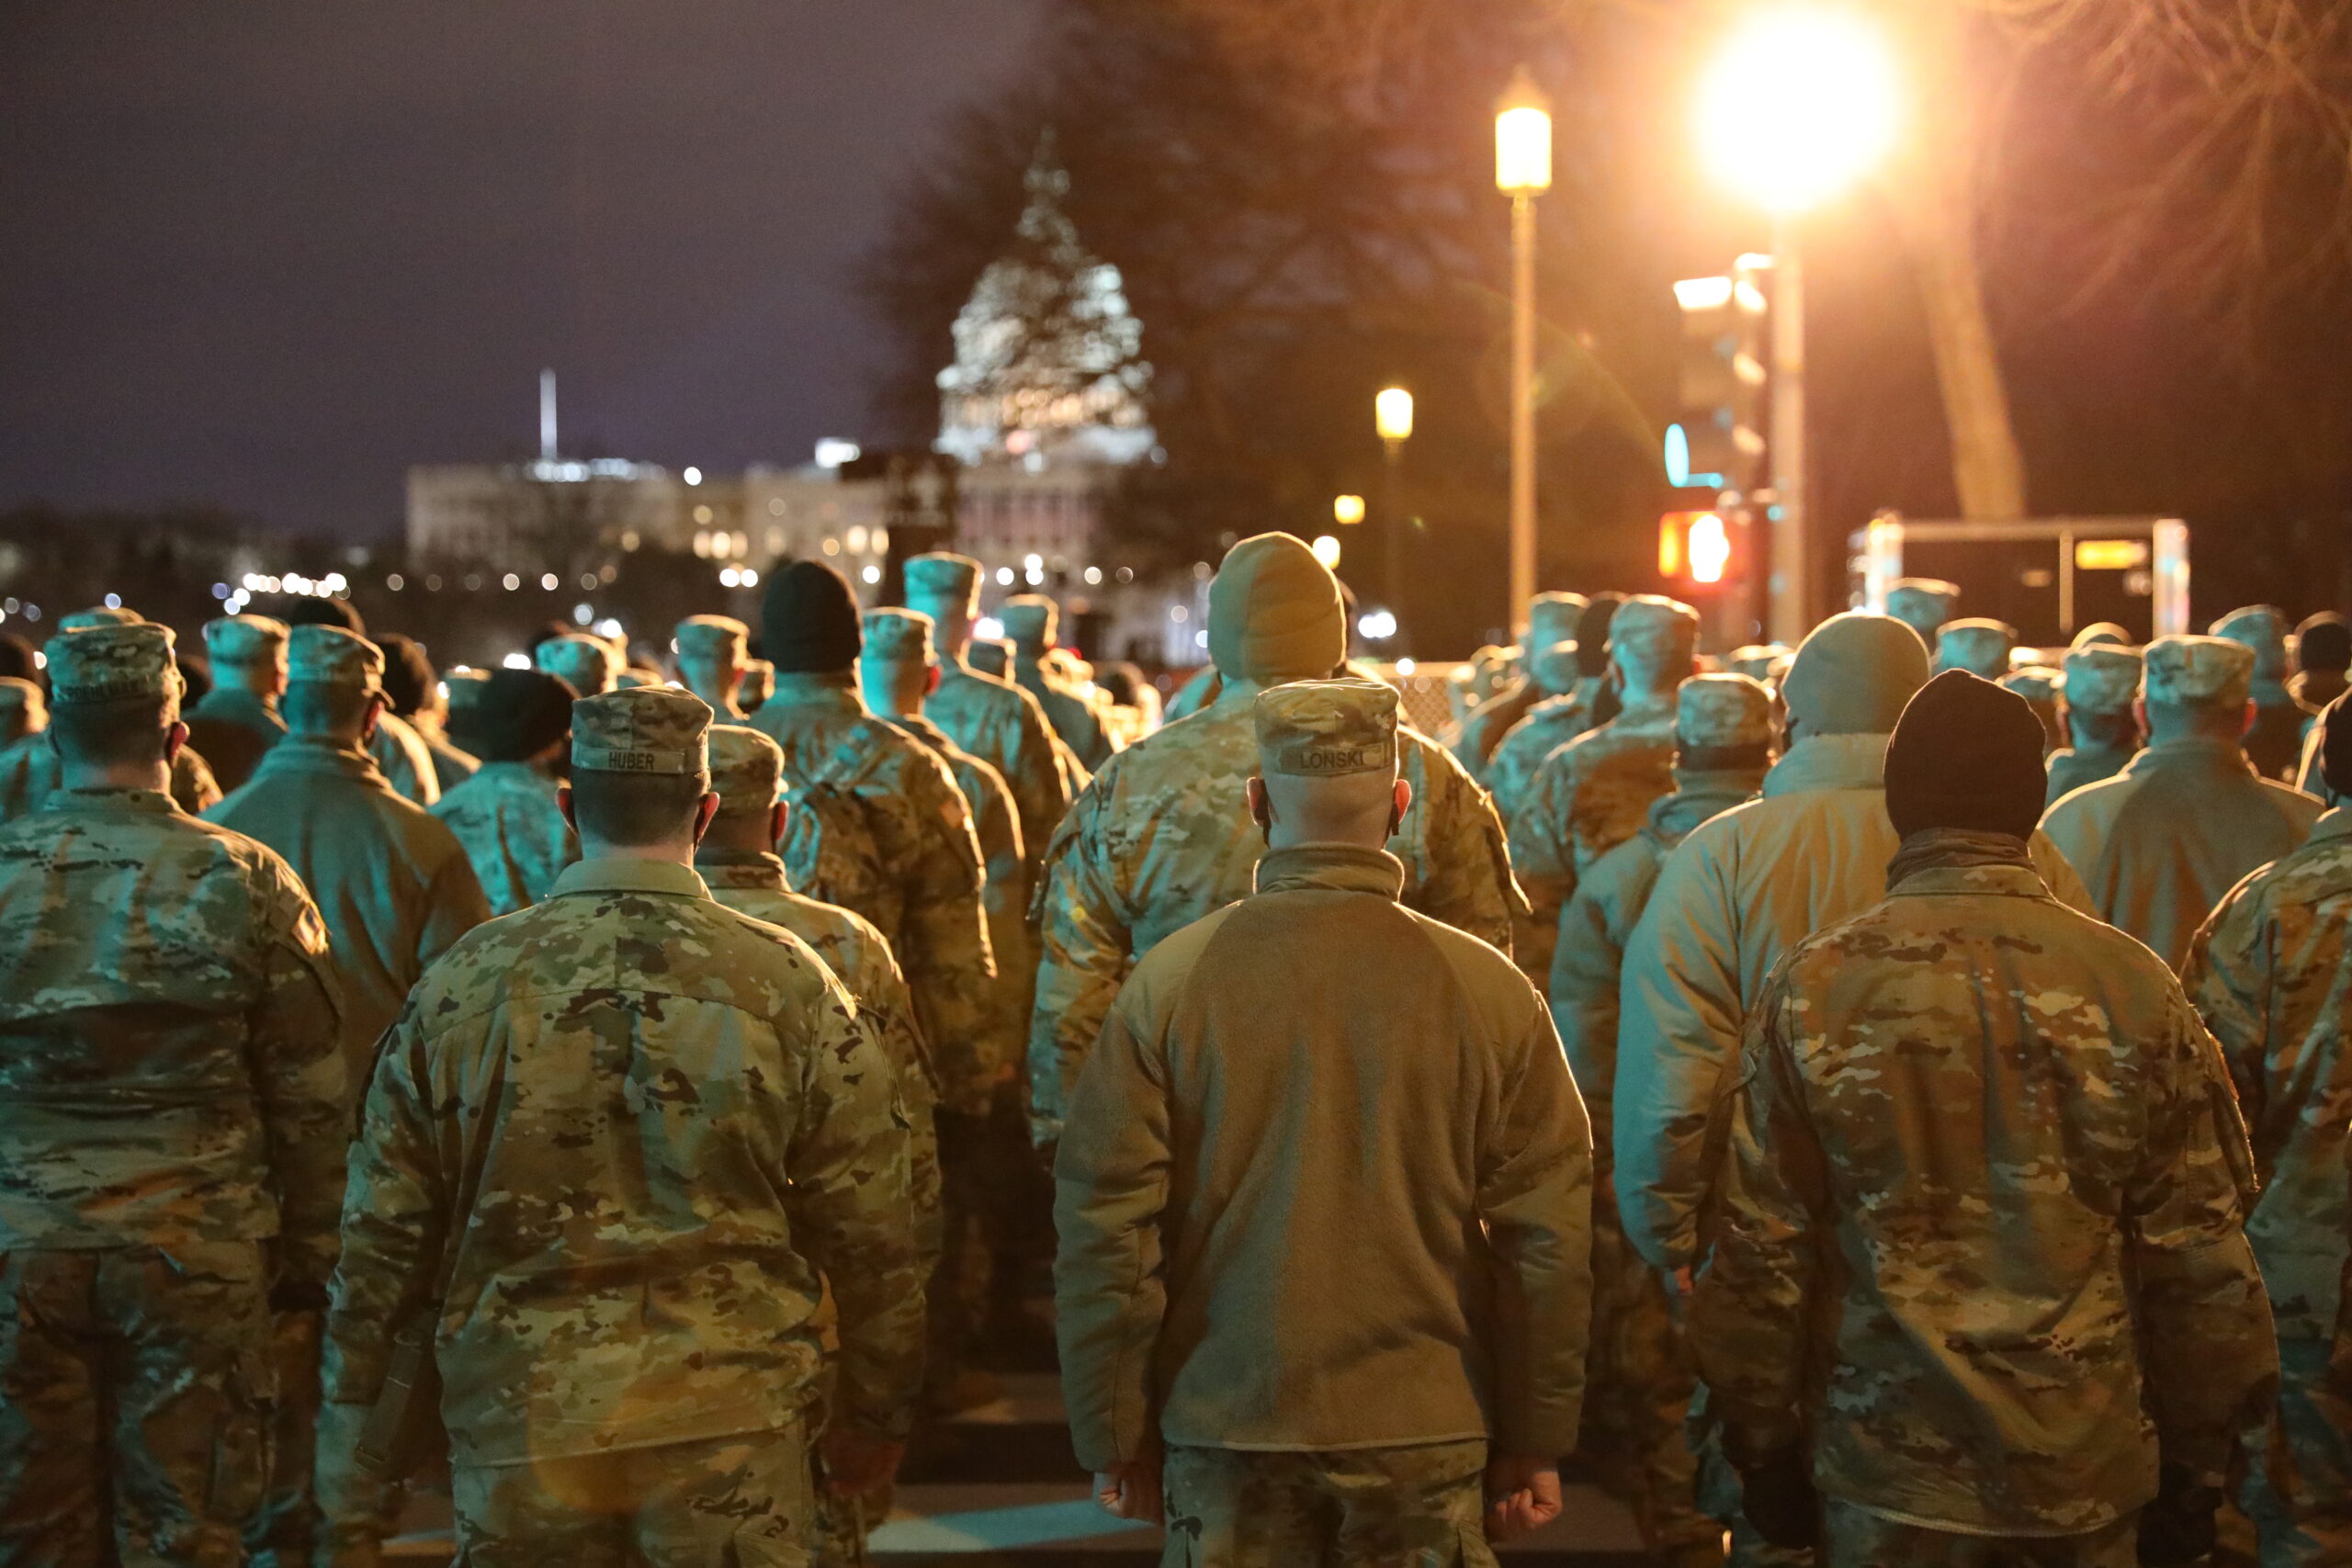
1391, 415
1801, 102
1347, 510
1522, 172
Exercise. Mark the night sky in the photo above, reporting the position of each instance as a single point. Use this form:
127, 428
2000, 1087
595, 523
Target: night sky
266, 254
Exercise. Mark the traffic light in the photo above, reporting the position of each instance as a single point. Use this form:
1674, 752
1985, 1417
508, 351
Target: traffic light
1697, 549
1719, 441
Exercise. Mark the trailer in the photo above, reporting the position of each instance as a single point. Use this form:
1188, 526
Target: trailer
2048, 577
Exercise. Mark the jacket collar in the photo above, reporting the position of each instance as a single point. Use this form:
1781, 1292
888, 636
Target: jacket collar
2193, 752
1955, 860
1700, 794
111, 799
1829, 761
1331, 868
309, 754
736, 868
810, 689
630, 876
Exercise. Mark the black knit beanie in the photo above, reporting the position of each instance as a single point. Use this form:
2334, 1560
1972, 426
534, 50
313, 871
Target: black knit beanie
2336, 745
2323, 642
808, 620
521, 714
408, 675
1966, 754
1593, 633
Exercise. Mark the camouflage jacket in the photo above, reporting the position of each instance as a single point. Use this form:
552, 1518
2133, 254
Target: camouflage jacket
1072, 716
391, 881
2271, 972
1164, 836
1483, 726
506, 820
1549, 724
451, 767
861, 961
650, 1129
1587, 798
28, 771
1588, 961
1326, 1184
2159, 843
1738, 892
233, 728
169, 1071
406, 760
1003, 727
2072, 767
927, 904
1980, 1223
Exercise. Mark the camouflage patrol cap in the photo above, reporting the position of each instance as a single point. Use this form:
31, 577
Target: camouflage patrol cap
1756, 659
22, 697
590, 663
746, 769
1651, 624
2034, 682
757, 685
329, 655
2263, 629
106, 663
942, 575
1326, 728
1554, 668
1980, 645
1030, 621
2101, 632
713, 636
2101, 678
100, 615
1925, 595
2198, 672
647, 729
245, 639
898, 637
1723, 711
637, 675
1553, 618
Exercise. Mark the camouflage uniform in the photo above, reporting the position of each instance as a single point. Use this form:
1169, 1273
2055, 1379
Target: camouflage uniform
171, 1154
1551, 621
1029, 622
2269, 971
28, 771
589, 665
1979, 646
994, 720
1267, 1080
708, 646
1923, 604
232, 725
405, 761
1642, 1378
926, 901
2159, 843
2099, 679
506, 820
1978, 1243
1548, 726
642, 1346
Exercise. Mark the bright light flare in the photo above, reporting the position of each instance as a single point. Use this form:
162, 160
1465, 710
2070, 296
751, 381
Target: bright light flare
1376, 625
1801, 103
1327, 550
1347, 509
1523, 140
1710, 548
1392, 413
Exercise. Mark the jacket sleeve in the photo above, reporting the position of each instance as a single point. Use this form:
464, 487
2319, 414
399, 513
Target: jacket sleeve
300, 1079
2228, 978
2209, 1360
1587, 966
850, 1198
1543, 848
1110, 1183
1040, 792
454, 905
1084, 943
394, 1221
2064, 881
882, 996
1466, 881
949, 967
1678, 1038
1535, 1199
1750, 1311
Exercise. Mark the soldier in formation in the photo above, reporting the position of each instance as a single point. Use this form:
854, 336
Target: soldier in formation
505, 816
238, 720
1552, 619
2274, 737
1031, 622
414, 690
712, 651
2100, 687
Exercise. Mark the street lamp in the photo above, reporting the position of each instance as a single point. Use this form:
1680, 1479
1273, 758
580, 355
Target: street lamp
1522, 172
1347, 509
1391, 415
1800, 104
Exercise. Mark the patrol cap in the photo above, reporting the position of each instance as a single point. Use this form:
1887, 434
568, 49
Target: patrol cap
1553, 618
2101, 678
713, 636
1756, 659
2198, 672
1030, 621
2034, 682
1651, 624
898, 637
111, 661
2263, 629
757, 685
2101, 632
1713, 711
590, 663
329, 655
1980, 645
1921, 595
940, 574
746, 768
1554, 668
637, 675
245, 639
100, 615
22, 697
990, 655
646, 729
1326, 728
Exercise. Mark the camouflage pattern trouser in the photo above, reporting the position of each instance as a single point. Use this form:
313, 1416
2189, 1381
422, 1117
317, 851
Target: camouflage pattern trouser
281, 1532
741, 1502
135, 1391
2300, 1494
1422, 1506
1851, 1538
1640, 1381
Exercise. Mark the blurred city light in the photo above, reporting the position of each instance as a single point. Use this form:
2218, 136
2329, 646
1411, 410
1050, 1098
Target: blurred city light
1392, 413
518, 662
1376, 625
1346, 509
1801, 102
1327, 550
693, 476
832, 452
1710, 549
1523, 141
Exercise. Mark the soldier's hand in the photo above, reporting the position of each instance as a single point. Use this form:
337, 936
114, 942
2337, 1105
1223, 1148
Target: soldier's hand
859, 1463
1130, 1491
1522, 1494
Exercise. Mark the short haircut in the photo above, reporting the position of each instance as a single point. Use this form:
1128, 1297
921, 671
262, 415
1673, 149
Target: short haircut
2110, 730
633, 810
1713, 758
409, 675
125, 731
317, 706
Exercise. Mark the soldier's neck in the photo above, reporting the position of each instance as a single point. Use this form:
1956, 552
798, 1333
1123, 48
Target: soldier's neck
155, 777
802, 683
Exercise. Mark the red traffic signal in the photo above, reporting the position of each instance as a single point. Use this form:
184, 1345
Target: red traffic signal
1695, 548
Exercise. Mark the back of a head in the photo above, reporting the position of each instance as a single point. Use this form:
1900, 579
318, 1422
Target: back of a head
940, 581
2262, 630
1723, 721
114, 694
1326, 750
1979, 646
640, 766
2101, 679
1554, 617
1965, 755
1653, 637
310, 610
2336, 747
513, 715
2199, 683
1274, 612
1923, 604
1031, 623
808, 620
1853, 674
409, 675
1593, 633
2322, 644
247, 642
1554, 670
588, 664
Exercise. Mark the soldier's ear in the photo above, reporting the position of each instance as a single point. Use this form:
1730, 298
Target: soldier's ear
930, 681
564, 805
703, 811
778, 815
373, 719
173, 739
1262, 810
